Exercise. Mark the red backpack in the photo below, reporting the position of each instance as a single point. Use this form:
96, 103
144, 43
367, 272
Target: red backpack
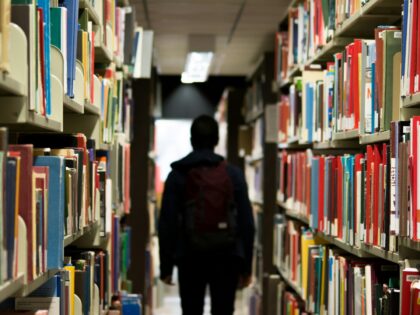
209, 220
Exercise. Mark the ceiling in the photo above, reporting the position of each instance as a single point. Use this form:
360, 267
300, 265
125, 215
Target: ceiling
174, 20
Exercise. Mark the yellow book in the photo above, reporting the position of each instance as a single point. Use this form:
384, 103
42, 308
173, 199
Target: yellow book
306, 241
71, 271
4, 35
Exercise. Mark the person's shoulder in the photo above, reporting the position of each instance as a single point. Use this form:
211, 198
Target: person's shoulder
235, 172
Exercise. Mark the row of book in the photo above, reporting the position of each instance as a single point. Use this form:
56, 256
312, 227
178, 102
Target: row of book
368, 197
410, 69
53, 180
86, 44
338, 282
311, 25
82, 286
358, 91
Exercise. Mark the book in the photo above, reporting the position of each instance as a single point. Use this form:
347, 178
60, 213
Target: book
5, 17
26, 200
56, 199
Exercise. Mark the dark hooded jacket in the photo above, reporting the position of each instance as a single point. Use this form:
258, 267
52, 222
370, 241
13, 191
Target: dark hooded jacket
172, 247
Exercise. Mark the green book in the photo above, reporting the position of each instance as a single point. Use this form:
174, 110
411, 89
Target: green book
392, 64
56, 30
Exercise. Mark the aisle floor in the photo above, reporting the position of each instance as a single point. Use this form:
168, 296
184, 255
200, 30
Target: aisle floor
172, 304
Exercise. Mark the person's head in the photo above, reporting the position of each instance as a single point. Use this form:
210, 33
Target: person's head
204, 133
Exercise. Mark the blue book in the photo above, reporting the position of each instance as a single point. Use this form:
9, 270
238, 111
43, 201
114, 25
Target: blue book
51, 288
72, 29
350, 166
309, 110
131, 304
116, 252
56, 200
45, 5
314, 192
10, 213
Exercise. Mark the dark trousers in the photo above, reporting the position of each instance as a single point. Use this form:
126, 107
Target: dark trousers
221, 273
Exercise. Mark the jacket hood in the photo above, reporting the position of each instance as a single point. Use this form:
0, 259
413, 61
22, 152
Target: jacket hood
195, 158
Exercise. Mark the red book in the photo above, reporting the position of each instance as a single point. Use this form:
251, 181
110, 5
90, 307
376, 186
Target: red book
415, 124
368, 203
408, 276
289, 176
25, 199
42, 58
375, 194
333, 198
308, 188
321, 194
339, 198
358, 167
356, 79
127, 200
413, 52
415, 297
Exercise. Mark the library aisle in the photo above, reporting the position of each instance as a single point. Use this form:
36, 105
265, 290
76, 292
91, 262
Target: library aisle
317, 104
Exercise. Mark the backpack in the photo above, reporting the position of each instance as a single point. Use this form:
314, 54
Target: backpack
209, 218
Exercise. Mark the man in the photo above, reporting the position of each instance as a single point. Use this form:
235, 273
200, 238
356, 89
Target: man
207, 236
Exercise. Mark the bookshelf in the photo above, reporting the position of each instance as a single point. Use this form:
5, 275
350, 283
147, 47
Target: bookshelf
309, 205
58, 129
10, 287
260, 169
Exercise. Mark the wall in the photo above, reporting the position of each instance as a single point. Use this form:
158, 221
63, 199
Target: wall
187, 101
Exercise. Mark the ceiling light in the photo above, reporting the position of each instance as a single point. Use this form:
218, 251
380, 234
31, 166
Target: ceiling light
197, 67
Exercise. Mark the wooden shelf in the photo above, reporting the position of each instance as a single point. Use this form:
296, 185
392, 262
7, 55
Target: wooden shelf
297, 216
89, 108
36, 283
336, 144
381, 253
71, 106
10, 287
69, 239
345, 135
85, 4
408, 243
291, 284
102, 54
46, 123
327, 52
376, 137
294, 72
293, 213
293, 143
411, 101
348, 248
10, 87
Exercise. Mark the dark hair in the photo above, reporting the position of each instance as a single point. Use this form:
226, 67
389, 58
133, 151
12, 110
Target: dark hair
204, 133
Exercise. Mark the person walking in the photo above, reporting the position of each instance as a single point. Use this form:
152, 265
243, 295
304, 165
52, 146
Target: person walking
206, 225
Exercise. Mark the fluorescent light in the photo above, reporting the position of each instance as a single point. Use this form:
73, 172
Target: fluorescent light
197, 67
